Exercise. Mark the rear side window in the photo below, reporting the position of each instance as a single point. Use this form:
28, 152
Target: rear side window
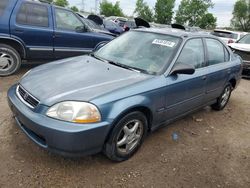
193, 54
3, 5
215, 52
33, 14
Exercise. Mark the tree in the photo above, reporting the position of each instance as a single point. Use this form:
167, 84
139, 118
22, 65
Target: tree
143, 11
75, 9
190, 12
61, 3
108, 9
164, 11
241, 15
208, 21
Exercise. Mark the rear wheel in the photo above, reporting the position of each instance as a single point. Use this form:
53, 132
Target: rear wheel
223, 99
10, 60
126, 137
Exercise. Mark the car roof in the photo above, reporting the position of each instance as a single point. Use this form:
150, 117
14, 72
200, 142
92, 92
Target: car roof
175, 32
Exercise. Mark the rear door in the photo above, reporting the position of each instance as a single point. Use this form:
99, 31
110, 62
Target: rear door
219, 68
186, 92
69, 41
31, 24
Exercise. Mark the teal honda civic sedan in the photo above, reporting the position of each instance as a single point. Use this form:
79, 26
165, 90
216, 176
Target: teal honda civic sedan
110, 100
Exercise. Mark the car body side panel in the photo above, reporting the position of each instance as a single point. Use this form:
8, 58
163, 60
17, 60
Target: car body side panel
184, 92
38, 40
5, 17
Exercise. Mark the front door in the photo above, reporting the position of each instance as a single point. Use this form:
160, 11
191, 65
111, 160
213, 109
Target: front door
70, 38
186, 92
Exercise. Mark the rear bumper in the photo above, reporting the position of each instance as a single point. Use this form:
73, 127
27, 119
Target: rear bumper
68, 139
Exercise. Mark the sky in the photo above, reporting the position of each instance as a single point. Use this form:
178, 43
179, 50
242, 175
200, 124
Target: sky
222, 9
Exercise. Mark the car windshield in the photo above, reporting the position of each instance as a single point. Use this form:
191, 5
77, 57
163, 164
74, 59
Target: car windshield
143, 51
92, 24
245, 40
110, 24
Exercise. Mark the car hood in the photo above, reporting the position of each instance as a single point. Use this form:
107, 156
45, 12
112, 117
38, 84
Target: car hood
104, 32
241, 47
81, 78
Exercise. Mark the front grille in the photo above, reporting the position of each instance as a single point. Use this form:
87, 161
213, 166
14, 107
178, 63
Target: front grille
26, 97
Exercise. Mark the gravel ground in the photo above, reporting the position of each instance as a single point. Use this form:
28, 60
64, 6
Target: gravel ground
213, 150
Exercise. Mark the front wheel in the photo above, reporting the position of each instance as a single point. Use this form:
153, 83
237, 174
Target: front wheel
126, 137
10, 60
223, 99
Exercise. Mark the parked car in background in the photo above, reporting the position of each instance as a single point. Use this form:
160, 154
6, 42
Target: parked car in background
242, 48
228, 36
130, 24
113, 27
92, 25
31, 30
109, 101
156, 25
118, 20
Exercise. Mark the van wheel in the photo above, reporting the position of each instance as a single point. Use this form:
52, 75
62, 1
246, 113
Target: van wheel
223, 99
10, 60
126, 137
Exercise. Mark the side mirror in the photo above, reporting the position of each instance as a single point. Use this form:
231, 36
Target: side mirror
100, 45
181, 68
81, 29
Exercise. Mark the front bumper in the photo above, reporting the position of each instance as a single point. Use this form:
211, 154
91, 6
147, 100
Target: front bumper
65, 138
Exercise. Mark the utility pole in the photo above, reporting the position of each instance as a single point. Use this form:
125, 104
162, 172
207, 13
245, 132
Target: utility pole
83, 5
96, 6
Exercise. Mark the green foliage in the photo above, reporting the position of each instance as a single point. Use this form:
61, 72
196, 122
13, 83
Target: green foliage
191, 12
108, 9
61, 3
164, 11
241, 15
208, 21
75, 9
143, 11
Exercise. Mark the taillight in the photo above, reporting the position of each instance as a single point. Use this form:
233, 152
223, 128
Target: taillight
230, 41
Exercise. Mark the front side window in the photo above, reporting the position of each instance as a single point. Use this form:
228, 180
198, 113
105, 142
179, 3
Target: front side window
245, 40
193, 54
67, 20
33, 14
3, 5
215, 51
145, 51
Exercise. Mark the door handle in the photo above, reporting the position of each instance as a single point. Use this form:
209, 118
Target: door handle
228, 71
204, 77
57, 35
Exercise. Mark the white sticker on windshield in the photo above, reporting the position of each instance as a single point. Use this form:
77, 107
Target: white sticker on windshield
164, 43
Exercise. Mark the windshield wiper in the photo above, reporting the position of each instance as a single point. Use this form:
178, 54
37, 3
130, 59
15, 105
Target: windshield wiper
124, 66
135, 69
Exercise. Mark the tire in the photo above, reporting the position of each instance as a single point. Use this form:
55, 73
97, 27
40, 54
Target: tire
223, 99
120, 145
10, 60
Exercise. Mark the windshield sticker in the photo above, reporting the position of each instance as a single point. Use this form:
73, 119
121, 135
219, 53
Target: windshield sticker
164, 43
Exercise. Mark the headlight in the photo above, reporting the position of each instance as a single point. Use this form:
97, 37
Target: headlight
73, 111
